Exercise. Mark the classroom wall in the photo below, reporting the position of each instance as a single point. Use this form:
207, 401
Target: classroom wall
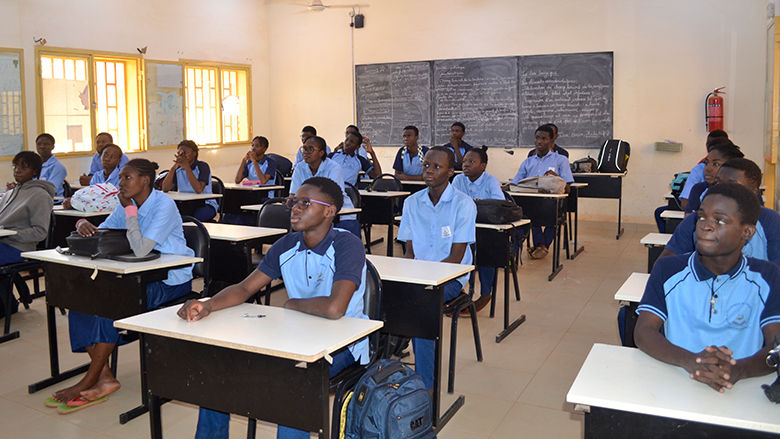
668, 55
232, 31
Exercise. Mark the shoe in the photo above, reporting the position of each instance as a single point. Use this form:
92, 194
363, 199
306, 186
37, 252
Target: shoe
539, 252
482, 302
52, 403
78, 403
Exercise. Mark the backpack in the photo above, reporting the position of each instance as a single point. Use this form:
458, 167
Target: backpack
498, 211
584, 165
678, 183
105, 243
613, 157
543, 184
389, 401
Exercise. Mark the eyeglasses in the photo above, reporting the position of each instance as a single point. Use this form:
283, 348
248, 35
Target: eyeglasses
303, 203
309, 149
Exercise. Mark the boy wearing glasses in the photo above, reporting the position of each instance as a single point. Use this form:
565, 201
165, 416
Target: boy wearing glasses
324, 272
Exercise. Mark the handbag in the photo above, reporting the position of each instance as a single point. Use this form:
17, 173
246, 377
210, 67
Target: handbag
498, 211
107, 244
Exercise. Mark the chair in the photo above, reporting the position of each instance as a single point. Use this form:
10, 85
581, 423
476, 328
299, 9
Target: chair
159, 179
273, 213
67, 191
283, 164
354, 196
218, 187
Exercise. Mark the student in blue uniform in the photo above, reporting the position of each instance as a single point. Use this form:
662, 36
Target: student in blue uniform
763, 244
334, 256
317, 164
52, 171
361, 151
306, 132
256, 166
456, 144
719, 154
152, 223
720, 310
188, 174
409, 158
95, 166
544, 162
352, 163
438, 224
110, 159
555, 148
479, 185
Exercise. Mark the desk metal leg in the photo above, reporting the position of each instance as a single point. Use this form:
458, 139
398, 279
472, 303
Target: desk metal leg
155, 418
509, 327
556, 259
54, 358
390, 227
577, 248
620, 212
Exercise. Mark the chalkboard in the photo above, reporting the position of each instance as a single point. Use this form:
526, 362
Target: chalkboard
391, 96
574, 91
11, 103
164, 103
481, 93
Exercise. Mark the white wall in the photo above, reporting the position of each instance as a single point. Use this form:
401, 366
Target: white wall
668, 55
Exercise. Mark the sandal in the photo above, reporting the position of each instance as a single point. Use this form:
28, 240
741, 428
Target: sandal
77, 404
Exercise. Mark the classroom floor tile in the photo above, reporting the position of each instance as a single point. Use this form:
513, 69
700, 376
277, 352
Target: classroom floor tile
518, 391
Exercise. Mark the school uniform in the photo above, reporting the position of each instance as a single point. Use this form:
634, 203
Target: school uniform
159, 220
764, 245
408, 164
202, 173
433, 230
96, 165
556, 148
464, 148
100, 177
681, 291
299, 154
351, 165
54, 172
328, 169
695, 177
267, 167
309, 272
697, 194
535, 166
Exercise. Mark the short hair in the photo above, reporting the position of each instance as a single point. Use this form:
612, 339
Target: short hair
309, 129
749, 167
328, 187
413, 128
554, 128
450, 154
357, 135
111, 145
459, 124
353, 126
263, 141
30, 160
110, 137
747, 202
728, 150
481, 152
191, 145
319, 141
46, 136
546, 128
715, 136
144, 168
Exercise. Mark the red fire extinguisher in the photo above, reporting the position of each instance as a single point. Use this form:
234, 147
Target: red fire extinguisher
713, 110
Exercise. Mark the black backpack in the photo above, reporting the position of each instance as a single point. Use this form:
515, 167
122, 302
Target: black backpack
584, 165
105, 243
498, 211
613, 157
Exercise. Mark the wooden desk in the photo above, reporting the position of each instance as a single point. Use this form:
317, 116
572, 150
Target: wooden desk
407, 185
279, 358
572, 207
628, 296
545, 210
412, 303
65, 222
379, 208
239, 194
630, 394
655, 243
100, 287
604, 185
673, 219
187, 202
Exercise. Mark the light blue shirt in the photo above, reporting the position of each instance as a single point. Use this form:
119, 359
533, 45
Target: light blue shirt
328, 169
267, 167
486, 187
408, 164
54, 172
535, 166
160, 221
202, 173
434, 229
100, 177
694, 177
96, 165
299, 155
351, 165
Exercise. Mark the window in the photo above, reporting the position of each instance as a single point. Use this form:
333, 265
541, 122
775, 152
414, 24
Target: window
66, 98
217, 104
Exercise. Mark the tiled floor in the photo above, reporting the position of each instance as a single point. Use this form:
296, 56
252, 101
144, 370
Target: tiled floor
519, 390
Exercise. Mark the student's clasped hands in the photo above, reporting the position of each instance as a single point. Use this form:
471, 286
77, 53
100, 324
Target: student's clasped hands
194, 310
715, 367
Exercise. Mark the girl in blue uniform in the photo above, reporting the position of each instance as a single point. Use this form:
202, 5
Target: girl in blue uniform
110, 159
152, 223
188, 174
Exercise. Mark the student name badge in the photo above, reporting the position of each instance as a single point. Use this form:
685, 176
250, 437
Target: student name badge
446, 232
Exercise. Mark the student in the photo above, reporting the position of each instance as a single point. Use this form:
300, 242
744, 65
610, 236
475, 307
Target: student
556, 148
256, 166
544, 162
456, 143
719, 154
765, 242
110, 159
334, 256
101, 140
306, 132
720, 310
317, 164
438, 224
352, 163
188, 174
152, 223
408, 160
362, 151
52, 170
479, 185
697, 173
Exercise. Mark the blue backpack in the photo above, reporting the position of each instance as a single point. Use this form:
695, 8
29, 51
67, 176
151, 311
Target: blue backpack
390, 401
678, 183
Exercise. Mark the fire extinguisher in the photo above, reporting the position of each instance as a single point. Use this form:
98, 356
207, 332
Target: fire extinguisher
713, 110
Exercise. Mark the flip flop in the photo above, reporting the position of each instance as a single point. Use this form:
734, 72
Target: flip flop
52, 403
77, 404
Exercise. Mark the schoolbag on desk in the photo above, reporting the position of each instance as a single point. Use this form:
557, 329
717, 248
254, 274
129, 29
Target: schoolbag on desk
498, 211
613, 157
584, 165
543, 184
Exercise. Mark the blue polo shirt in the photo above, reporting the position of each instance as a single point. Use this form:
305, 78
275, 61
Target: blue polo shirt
404, 162
696, 196
267, 167
695, 177
96, 165
464, 148
100, 177
54, 172
351, 165
536, 166
433, 229
202, 173
310, 272
486, 187
328, 169
764, 245
299, 155
160, 221
679, 292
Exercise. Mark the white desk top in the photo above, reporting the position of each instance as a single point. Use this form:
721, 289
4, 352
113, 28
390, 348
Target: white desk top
633, 288
537, 195
347, 211
609, 174
109, 265
190, 196
281, 333
75, 185
6, 232
673, 214
578, 185
60, 211
386, 194
254, 187
417, 272
627, 379
669, 196
236, 233
409, 182
655, 239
